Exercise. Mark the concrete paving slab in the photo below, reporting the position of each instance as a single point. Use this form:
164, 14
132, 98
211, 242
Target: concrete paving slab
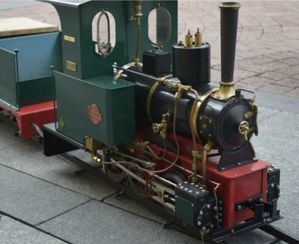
34, 200
128, 204
277, 101
275, 88
96, 222
278, 144
255, 236
265, 113
294, 92
7, 134
53, 169
14, 232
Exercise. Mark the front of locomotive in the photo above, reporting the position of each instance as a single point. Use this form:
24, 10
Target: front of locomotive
193, 153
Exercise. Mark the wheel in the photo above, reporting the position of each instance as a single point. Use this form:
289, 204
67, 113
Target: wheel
115, 173
174, 177
135, 185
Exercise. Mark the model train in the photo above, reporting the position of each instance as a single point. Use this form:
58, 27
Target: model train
155, 125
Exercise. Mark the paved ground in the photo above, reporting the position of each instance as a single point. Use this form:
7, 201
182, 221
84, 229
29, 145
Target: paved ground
42, 200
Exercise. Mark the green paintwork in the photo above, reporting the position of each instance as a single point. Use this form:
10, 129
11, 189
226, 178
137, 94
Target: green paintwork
91, 83
8, 77
35, 91
115, 100
26, 77
184, 210
76, 21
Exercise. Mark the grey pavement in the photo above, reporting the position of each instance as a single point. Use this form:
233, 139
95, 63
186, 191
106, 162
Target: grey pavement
43, 200
15, 232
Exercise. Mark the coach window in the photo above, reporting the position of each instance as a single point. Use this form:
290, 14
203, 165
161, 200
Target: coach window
104, 33
159, 26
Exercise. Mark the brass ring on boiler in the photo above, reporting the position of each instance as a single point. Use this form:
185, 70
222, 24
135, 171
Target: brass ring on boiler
151, 93
194, 113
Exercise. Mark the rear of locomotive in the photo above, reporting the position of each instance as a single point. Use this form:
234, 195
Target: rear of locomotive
166, 133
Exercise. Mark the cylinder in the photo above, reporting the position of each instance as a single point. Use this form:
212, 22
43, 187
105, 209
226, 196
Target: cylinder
192, 64
229, 25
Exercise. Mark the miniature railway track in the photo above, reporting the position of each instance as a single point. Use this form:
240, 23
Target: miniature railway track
280, 235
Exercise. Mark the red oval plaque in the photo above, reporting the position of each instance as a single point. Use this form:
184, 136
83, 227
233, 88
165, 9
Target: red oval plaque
95, 114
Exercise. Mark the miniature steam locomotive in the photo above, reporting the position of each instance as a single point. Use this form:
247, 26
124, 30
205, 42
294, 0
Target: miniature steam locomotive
155, 125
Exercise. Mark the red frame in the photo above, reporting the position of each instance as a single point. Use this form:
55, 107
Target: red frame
235, 185
38, 114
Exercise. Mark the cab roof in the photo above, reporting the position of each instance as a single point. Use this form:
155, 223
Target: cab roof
71, 3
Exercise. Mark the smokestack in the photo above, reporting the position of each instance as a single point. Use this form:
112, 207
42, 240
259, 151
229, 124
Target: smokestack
229, 25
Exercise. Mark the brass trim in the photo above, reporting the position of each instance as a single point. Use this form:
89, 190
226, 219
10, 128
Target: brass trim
119, 72
206, 149
137, 17
234, 5
226, 91
244, 129
188, 39
195, 159
160, 193
149, 100
61, 123
92, 145
72, 66
197, 38
150, 96
162, 127
69, 38
194, 114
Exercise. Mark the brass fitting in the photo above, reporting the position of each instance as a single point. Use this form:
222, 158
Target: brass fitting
137, 17
177, 86
206, 149
225, 91
162, 128
160, 194
142, 144
91, 145
188, 39
254, 109
197, 38
195, 159
244, 129
138, 11
184, 88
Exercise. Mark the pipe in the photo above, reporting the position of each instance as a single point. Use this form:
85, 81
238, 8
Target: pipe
229, 25
138, 15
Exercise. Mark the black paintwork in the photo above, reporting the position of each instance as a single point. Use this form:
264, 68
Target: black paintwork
218, 120
229, 26
192, 65
156, 62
